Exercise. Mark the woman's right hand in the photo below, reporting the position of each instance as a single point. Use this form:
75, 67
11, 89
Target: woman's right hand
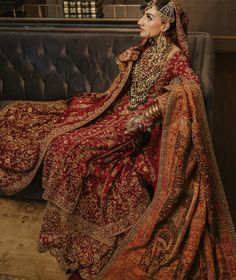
132, 54
134, 126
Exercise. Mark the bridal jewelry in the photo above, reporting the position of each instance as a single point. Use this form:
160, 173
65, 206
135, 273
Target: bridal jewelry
152, 112
146, 71
166, 13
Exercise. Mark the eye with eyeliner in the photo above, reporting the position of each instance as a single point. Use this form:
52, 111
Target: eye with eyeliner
149, 16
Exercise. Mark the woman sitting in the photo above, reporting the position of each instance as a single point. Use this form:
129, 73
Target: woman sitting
130, 177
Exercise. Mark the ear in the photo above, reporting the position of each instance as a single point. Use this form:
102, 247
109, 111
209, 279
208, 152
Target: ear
165, 26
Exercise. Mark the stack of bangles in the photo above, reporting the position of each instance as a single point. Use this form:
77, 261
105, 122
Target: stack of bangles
153, 112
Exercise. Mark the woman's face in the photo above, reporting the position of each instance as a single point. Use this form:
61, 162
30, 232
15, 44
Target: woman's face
150, 24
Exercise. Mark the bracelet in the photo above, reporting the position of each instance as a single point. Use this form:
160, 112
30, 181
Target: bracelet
157, 111
152, 112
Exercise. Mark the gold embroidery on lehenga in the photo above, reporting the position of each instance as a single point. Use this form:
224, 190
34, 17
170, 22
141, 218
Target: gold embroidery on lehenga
21, 180
97, 232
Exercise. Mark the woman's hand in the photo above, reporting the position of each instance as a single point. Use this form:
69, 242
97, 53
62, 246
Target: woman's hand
138, 124
143, 121
132, 54
134, 126
138, 127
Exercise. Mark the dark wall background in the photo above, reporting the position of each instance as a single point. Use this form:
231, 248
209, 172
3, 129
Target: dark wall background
224, 123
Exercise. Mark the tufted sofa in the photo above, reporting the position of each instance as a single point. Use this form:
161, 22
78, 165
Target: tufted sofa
49, 66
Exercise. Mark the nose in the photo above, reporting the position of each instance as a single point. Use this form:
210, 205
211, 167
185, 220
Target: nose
140, 22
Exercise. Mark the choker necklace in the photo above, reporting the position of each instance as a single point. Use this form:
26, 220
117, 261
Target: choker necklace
146, 71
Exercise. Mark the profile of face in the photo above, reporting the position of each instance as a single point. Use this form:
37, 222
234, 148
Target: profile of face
150, 23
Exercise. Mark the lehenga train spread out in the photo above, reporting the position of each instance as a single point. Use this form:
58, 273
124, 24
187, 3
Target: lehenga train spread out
124, 207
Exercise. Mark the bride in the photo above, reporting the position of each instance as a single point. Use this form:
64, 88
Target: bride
130, 177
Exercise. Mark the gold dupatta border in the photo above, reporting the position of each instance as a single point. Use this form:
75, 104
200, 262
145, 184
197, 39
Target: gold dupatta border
114, 91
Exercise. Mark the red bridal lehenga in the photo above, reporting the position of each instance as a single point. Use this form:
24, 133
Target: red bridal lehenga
119, 206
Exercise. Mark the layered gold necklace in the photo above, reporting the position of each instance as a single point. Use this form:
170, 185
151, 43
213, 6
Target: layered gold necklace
146, 71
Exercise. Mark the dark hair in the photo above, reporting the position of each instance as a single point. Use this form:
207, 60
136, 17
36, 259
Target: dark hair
171, 32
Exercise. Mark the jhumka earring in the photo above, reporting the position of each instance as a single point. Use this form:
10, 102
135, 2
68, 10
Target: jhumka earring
162, 42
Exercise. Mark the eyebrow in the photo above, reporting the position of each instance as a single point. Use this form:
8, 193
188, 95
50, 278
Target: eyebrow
149, 14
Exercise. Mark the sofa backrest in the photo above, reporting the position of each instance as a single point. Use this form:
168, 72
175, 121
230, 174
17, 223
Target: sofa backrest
47, 66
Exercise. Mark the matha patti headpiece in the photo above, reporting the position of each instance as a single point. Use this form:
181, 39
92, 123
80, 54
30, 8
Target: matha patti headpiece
166, 13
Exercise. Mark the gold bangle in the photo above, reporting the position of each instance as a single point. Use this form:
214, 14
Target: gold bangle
157, 111
148, 113
152, 112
